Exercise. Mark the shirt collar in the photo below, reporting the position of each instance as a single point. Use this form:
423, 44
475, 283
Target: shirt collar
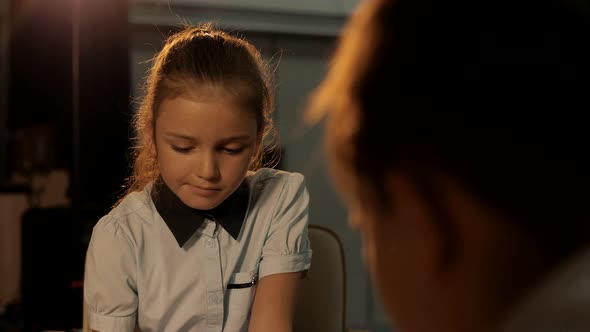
183, 221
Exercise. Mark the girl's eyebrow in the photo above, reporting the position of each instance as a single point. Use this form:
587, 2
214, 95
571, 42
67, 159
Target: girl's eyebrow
236, 138
181, 136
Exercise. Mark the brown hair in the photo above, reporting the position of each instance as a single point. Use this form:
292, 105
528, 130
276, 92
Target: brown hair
199, 56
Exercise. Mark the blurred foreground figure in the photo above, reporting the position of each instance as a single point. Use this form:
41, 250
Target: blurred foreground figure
455, 135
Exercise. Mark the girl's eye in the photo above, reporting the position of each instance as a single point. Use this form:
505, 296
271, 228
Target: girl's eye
181, 149
233, 151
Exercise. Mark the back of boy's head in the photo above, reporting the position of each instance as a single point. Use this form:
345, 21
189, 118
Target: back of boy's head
192, 61
490, 93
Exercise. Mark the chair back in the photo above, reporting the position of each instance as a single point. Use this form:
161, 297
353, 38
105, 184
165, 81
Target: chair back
321, 306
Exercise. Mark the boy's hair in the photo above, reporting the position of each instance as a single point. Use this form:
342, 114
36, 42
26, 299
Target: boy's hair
489, 93
199, 57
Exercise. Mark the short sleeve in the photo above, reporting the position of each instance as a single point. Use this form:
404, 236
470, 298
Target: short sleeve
110, 290
287, 247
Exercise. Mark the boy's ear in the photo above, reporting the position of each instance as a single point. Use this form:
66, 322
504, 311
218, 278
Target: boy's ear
420, 216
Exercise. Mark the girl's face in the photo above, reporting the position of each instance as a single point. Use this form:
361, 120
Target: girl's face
204, 146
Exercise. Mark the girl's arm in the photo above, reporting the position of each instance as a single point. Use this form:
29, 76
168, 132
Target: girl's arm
274, 303
286, 255
110, 291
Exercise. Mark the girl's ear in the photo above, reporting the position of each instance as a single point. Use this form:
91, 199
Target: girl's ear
258, 149
259, 145
149, 140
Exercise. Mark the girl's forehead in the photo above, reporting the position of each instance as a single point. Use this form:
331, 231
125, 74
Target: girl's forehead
232, 91
205, 92
220, 115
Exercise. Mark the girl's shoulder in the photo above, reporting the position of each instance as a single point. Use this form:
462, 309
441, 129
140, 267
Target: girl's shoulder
131, 212
270, 187
275, 178
132, 203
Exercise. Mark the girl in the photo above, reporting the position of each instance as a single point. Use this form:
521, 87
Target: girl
203, 240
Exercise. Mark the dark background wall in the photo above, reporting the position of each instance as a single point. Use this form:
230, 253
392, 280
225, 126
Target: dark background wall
69, 80
67, 108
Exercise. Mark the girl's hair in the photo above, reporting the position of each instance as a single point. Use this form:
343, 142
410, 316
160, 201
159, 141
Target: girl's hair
196, 57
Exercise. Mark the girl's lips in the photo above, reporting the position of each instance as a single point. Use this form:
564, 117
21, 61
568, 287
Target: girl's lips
205, 192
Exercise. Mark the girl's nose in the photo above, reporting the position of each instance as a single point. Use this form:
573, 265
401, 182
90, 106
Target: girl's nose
208, 168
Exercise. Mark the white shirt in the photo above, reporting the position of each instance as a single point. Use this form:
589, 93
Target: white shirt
139, 272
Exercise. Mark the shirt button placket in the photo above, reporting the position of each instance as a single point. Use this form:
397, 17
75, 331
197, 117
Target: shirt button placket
214, 282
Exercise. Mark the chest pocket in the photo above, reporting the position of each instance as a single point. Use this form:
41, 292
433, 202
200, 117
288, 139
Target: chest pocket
240, 295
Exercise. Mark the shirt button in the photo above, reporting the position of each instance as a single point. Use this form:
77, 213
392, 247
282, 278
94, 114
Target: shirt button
210, 243
213, 299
